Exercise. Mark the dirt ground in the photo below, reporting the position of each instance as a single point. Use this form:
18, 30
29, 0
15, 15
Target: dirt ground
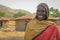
12, 35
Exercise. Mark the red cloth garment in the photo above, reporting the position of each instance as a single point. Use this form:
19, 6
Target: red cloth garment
51, 33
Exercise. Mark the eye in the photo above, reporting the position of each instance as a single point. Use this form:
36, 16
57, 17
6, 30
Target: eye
38, 10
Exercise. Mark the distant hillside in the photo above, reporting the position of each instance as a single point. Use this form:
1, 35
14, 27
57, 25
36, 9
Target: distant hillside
10, 10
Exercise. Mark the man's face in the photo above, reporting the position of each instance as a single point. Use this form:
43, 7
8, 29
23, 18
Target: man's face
41, 13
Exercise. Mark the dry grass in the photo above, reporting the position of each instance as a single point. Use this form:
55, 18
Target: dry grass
12, 35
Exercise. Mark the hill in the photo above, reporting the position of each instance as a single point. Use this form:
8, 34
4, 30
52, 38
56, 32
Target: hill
10, 10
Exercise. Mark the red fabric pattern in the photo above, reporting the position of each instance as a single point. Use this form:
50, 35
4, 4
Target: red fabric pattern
49, 34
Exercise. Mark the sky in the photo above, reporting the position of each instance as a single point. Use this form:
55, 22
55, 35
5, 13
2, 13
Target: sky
29, 5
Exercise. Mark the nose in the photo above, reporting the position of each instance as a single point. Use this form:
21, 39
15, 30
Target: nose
40, 14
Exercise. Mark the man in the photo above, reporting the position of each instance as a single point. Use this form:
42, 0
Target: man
40, 28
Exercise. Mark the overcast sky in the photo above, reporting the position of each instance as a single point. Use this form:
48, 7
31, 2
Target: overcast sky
29, 5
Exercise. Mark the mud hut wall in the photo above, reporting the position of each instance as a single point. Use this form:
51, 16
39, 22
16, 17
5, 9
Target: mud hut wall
20, 25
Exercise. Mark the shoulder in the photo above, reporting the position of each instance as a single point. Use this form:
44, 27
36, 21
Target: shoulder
53, 24
50, 22
32, 21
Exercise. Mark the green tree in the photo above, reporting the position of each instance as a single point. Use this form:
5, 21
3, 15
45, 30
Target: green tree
2, 13
9, 15
54, 12
5, 14
19, 14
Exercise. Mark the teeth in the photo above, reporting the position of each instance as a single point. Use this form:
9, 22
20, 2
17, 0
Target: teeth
40, 16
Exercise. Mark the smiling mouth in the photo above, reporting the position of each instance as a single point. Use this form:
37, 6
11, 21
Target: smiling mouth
40, 16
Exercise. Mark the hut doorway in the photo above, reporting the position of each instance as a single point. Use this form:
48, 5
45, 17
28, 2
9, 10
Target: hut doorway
0, 24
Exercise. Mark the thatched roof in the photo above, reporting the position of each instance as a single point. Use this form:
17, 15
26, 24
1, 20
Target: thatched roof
4, 18
28, 16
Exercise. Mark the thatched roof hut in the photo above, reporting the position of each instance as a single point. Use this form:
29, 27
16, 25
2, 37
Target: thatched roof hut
6, 23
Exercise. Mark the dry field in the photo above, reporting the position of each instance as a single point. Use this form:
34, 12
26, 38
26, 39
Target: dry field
12, 35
